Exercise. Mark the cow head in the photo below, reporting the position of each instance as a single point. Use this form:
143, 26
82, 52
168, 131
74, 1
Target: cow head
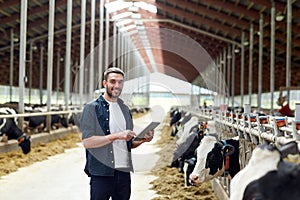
9, 127
64, 122
24, 143
213, 159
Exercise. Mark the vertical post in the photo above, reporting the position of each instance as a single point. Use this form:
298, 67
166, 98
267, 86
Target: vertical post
250, 63
100, 64
272, 57
92, 52
30, 71
228, 72
114, 43
68, 54
41, 72
11, 65
50, 58
119, 48
288, 47
224, 75
232, 75
57, 76
242, 67
106, 36
22, 58
260, 60
82, 48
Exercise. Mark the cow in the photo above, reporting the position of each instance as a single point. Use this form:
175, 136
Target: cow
9, 129
215, 157
268, 175
175, 116
184, 130
39, 122
186, 149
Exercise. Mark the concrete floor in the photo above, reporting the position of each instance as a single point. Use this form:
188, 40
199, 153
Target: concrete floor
61, 177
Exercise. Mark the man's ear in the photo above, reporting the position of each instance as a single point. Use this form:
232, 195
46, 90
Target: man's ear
104, 83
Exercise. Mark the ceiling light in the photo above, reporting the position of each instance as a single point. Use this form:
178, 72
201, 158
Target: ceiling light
124, 22
146, 6
279, 18
236, 50
136, 16
117, 5
133, 9
126, 28
121, 15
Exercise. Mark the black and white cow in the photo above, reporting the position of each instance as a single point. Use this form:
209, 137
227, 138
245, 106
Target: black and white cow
39, 122
268, 175
186, 149
211, 159
9, 129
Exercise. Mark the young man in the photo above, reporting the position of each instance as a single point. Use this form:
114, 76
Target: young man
106, 126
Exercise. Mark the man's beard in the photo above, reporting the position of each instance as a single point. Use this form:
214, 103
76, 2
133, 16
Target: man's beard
110, 94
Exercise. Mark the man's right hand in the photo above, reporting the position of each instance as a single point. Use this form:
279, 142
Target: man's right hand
126, 135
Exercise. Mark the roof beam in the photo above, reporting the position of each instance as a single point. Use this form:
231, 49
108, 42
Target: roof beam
213, 25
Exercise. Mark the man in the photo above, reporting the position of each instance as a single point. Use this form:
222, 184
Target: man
106, 126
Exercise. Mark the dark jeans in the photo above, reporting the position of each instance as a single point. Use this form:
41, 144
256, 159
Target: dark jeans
118, 186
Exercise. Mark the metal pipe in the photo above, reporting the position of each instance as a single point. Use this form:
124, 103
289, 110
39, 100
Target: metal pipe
68, 54
82, 51
242, 67
57, 75
114, 44
100, 64
224, 75
233, 76
288, 47
50, 59
22, 58
41, 72
92, 52
260, 59
250, 63
272, 57
30, 71
228, 72
106, 37
119, 48
11, 64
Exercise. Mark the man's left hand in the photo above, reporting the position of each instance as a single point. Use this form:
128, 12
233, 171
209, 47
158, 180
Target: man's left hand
149, 136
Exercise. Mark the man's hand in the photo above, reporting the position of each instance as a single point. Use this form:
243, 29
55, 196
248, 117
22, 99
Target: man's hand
149, 136
126, 135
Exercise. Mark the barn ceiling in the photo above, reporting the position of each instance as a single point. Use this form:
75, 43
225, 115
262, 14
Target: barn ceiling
176, 33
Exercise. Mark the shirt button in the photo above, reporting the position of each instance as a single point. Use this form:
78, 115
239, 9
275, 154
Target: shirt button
112, 161
106, 119
110, 151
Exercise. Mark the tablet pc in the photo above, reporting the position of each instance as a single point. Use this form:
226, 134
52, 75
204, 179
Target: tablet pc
148, 128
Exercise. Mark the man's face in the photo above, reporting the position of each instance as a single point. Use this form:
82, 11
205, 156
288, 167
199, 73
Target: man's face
114, 85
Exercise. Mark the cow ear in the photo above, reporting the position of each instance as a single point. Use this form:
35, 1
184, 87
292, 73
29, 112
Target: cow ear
289, 148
